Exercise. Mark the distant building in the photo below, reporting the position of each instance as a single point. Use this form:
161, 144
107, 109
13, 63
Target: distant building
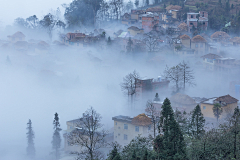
182, 102
194, 18
152, 85
126, 128
220, 36
228, 103
135, 30
214, 62
199, 44
18, 36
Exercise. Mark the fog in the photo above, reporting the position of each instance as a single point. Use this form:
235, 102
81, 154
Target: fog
27, 8
68, 81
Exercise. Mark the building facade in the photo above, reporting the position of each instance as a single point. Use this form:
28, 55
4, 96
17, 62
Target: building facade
126, 128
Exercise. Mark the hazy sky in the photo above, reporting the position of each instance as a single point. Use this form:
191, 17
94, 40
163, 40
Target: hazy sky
10, 10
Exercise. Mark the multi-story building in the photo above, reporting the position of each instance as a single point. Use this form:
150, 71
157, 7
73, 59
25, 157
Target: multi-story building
126, 128
194, 18
227, 102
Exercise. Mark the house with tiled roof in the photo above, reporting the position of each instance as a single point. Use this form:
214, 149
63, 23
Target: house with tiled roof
185, 40
199, 44
127, 128
220, 36
227, 102
133, 30
18, 36
214, 62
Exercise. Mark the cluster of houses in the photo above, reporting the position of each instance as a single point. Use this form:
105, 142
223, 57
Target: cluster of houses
18, 42
126, 128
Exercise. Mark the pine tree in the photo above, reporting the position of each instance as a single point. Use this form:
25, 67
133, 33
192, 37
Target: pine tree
145, 157
172, 140
197, 122
30, 137
134, 156
156, 98
114, 155
235, 130
56, 142
109, 41
217, 110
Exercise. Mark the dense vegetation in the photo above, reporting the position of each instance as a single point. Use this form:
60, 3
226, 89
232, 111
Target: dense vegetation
194, 141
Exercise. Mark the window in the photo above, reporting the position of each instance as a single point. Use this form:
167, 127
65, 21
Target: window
191, 23
118, 127
125, 126
203, 23
196, 45
118, 134
191, 16
149, 127
125, 137
115, 123
204, 107
136, 128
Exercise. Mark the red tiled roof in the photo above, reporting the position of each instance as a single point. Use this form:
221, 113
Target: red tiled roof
141, 120
198, 38
227, 99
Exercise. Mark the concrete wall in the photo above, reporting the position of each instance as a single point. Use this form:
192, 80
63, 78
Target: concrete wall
208, 111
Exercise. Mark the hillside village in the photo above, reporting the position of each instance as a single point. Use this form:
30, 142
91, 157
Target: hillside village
158, 33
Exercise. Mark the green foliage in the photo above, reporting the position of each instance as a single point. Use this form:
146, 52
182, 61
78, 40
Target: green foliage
172, 141
30, 142
217, 110
137, 147
114, 155
197, 122
56, 141
82, 12
156, 97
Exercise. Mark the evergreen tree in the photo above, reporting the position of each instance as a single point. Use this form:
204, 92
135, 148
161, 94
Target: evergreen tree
217, 110
172, 140
109, 41
114, 155
134, 156
235, 130
56, 142
145, 157
30, 137
156, 98
197, 122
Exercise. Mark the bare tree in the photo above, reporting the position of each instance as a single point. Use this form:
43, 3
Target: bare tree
116, 6
129, 84
187, 74
152, 112
89, 135
151, 41
174, 75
